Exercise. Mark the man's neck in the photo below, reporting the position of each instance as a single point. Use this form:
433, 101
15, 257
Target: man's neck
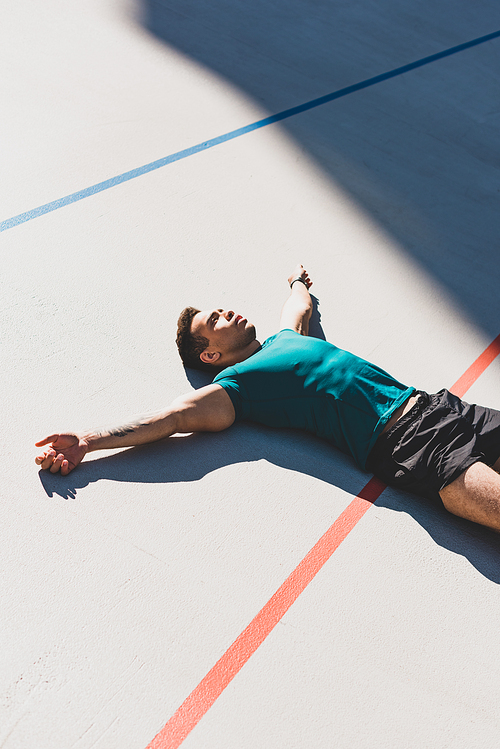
241, 355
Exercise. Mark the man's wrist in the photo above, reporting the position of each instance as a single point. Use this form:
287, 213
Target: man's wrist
298, 278
90, 439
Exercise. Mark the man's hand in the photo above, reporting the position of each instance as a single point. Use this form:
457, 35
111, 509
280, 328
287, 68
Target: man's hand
64, 453
298, 308
300, 272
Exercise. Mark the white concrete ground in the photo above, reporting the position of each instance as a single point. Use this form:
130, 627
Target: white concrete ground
123, 583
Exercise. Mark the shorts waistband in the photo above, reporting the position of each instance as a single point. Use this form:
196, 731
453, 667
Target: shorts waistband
417, 408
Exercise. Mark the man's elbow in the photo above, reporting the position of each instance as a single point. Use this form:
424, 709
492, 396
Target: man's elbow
178, 415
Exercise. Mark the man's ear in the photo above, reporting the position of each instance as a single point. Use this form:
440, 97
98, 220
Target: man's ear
210, 357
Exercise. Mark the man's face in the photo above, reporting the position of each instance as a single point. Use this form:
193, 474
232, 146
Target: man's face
228, 332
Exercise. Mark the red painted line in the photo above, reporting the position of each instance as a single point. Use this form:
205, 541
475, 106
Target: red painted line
211, 687
224, 671
482, 362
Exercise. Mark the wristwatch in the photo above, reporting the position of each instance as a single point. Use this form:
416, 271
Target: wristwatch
301, 281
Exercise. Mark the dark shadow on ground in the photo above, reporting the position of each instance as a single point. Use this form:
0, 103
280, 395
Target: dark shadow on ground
421, 152
315, 327
190, 458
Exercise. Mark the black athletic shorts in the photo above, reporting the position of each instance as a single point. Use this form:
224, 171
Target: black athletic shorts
432, 444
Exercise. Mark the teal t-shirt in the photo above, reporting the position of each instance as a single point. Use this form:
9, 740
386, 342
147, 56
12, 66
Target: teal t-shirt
307, 383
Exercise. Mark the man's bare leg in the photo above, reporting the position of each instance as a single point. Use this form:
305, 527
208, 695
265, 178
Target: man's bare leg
475, 495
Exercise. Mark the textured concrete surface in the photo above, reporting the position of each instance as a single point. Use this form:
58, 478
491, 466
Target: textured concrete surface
123, 583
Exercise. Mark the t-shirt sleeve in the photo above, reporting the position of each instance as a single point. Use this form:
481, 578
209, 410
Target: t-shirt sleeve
227, 380
234, 380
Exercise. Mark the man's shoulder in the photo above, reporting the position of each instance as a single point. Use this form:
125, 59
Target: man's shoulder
252, 361
283, 335
275, 342
272, 349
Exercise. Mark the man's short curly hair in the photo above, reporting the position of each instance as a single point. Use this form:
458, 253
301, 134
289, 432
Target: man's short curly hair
191, 346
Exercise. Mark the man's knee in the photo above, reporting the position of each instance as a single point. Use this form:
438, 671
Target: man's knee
475, 495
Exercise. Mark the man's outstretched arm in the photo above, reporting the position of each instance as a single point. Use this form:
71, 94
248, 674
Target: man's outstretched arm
208, 409
298, 307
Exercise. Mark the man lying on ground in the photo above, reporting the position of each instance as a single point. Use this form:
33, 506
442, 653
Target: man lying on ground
433, 445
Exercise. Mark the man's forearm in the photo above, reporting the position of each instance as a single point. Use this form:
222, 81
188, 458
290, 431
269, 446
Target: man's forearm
138, 432
300, 298
297, 309
208, 409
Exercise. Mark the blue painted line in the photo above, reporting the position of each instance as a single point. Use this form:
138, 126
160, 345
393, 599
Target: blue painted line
126, 176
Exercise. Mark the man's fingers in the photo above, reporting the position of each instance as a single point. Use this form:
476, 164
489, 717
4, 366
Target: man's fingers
304, 275
56, 465
66, 468
45, 461
49, 459
46, 441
